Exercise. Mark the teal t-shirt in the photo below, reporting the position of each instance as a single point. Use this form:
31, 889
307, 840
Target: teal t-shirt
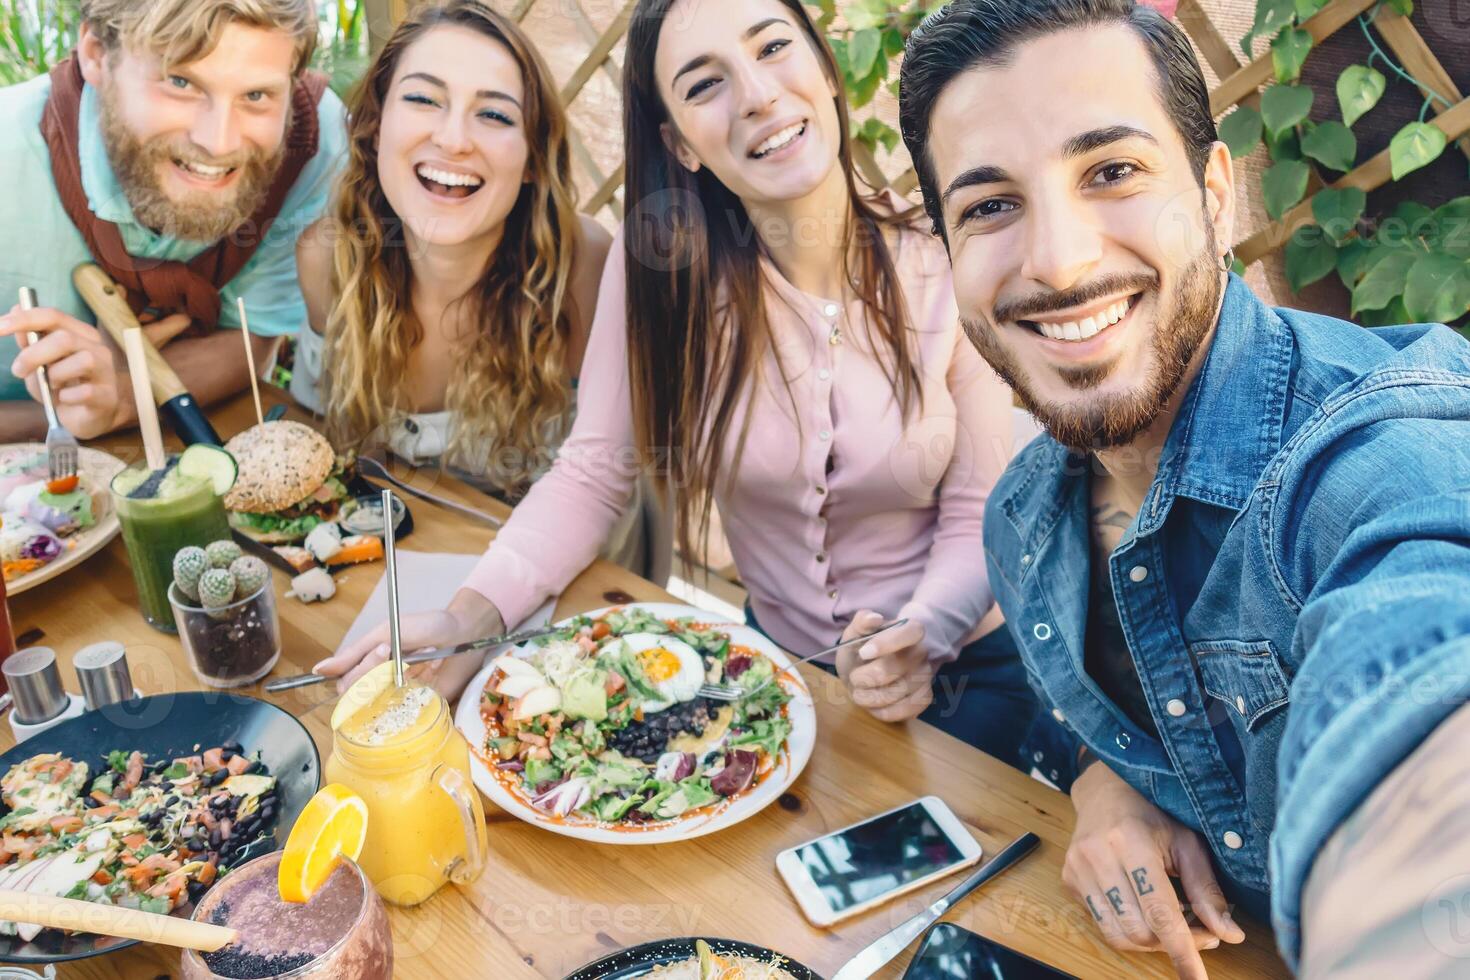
39, 246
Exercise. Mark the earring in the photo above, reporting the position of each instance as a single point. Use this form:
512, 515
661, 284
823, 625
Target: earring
1227, 261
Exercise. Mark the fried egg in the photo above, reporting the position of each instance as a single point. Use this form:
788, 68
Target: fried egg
672, 668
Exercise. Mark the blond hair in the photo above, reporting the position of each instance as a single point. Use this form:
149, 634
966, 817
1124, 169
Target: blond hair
508, 395
181, 31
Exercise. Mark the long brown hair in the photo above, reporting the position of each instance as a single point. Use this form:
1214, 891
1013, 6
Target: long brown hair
508, 395
697, 325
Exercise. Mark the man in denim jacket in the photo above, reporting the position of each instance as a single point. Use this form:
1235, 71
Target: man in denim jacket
1238, 563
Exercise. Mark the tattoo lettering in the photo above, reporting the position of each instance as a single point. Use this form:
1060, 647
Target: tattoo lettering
1140, 881
1115, 899
1093, 908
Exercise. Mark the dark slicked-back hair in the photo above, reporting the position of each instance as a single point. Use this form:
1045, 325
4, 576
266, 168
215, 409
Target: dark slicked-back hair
966, 34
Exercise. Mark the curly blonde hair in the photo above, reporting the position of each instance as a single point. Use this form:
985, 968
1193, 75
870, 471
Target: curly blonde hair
508, 394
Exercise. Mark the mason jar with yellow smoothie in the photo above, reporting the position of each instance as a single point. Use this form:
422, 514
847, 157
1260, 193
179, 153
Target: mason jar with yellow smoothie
398, 749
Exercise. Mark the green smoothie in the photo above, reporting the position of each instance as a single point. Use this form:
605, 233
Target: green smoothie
167, 515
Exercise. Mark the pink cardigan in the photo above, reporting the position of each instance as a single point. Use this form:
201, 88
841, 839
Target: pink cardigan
838, 508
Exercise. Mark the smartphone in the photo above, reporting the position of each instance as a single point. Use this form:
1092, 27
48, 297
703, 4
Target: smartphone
862, 866
952, 953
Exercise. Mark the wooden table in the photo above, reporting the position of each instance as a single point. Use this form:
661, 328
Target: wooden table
547, 904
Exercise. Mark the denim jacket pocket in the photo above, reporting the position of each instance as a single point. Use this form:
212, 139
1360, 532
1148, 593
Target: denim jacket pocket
1246, 676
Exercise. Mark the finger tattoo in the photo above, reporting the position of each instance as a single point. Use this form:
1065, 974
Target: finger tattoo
1093, 909
1115, 899
1140, 881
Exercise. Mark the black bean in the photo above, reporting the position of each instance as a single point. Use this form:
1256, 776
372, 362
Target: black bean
268, 799
226, 755
267, 814
166, 785
215, 838
91, 803
255, 767
160, 765
234, 748
218, 777
170, 800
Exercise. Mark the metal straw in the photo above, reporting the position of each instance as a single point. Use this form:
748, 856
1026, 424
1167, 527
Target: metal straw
390, 555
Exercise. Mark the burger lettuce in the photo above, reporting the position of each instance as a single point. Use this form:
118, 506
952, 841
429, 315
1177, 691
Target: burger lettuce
327, 503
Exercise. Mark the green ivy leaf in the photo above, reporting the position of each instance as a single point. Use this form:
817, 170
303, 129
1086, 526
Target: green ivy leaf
1404, 7
862, 53
1383, 280
1453, 221
1331, 144
1310, 255
1306, 8
1438, 288
1337, 210
1284, 146
1358, 89
1352, 261
1283, 184
839, 54
1283, 106
1289, 53
1391, 315
893, 43
1271, 16
1416, 145
862, 17
1241, 131
1413, 225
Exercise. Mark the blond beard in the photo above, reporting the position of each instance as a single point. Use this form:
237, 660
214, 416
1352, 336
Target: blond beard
201, 216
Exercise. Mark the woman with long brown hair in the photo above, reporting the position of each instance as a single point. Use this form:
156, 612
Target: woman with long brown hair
771, 338
450, 292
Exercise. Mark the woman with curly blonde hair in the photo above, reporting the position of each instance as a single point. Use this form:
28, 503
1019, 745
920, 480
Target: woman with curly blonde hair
450, 293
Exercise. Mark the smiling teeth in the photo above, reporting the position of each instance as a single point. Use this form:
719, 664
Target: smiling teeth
204, 170
448, 179
779, 140
1085, 329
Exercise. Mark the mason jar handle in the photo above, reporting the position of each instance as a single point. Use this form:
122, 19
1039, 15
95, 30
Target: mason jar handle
452, 783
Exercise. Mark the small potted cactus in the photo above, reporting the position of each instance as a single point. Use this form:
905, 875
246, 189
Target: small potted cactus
226, 611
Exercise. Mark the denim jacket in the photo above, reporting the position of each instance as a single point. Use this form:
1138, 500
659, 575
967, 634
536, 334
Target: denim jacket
1295, 590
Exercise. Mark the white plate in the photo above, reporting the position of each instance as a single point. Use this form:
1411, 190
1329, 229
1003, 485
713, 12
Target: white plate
800, 711
98, 468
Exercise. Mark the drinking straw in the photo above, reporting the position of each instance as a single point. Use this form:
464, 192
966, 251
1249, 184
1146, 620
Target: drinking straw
250, 359
143, 395
391, 557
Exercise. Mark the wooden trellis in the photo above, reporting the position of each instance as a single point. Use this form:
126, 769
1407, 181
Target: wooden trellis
1240, 85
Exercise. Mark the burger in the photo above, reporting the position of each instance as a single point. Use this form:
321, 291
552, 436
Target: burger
290, 480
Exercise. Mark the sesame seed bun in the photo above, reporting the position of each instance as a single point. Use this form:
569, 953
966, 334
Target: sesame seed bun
281, 464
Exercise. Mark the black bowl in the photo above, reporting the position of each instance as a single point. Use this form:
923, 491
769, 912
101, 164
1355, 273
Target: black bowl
166, 726
635, 961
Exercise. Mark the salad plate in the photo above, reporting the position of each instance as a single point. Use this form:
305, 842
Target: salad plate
171, 736
597, 732
671, 957
36, 547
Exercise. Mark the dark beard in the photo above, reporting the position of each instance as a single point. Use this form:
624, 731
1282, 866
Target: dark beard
203, 216
1115, 420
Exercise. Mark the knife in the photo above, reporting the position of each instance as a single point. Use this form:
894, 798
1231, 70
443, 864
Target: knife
373, 469
268, 555
426, 656
114, 315
886, 947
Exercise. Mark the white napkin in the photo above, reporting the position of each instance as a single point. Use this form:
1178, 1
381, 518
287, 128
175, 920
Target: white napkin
426, 581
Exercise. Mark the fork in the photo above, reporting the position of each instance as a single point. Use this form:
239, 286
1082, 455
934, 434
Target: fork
734, 692
378, 471
61, 445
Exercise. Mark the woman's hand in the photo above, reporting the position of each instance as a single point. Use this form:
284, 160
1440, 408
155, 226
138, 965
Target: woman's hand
890, 675
1123, 852
469, 616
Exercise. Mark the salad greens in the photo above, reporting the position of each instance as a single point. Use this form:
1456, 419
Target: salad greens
603, 721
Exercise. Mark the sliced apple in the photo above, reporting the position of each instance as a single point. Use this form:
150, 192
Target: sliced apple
512, 666
541, 700
518, 685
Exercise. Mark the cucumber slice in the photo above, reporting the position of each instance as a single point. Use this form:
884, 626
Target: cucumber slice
210, 463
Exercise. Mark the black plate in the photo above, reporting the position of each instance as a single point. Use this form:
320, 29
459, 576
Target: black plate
167, 726
637, 961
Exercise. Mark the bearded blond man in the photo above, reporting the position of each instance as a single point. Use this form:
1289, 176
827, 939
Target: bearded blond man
183, 147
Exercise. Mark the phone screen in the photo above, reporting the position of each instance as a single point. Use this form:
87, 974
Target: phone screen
952, 953
874, 858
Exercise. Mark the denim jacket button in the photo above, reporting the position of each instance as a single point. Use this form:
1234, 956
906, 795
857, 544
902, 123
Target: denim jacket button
1124, 740
1025, 559
1175, 707
1233, 840
1041, 631
1057, 714
1138, 573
